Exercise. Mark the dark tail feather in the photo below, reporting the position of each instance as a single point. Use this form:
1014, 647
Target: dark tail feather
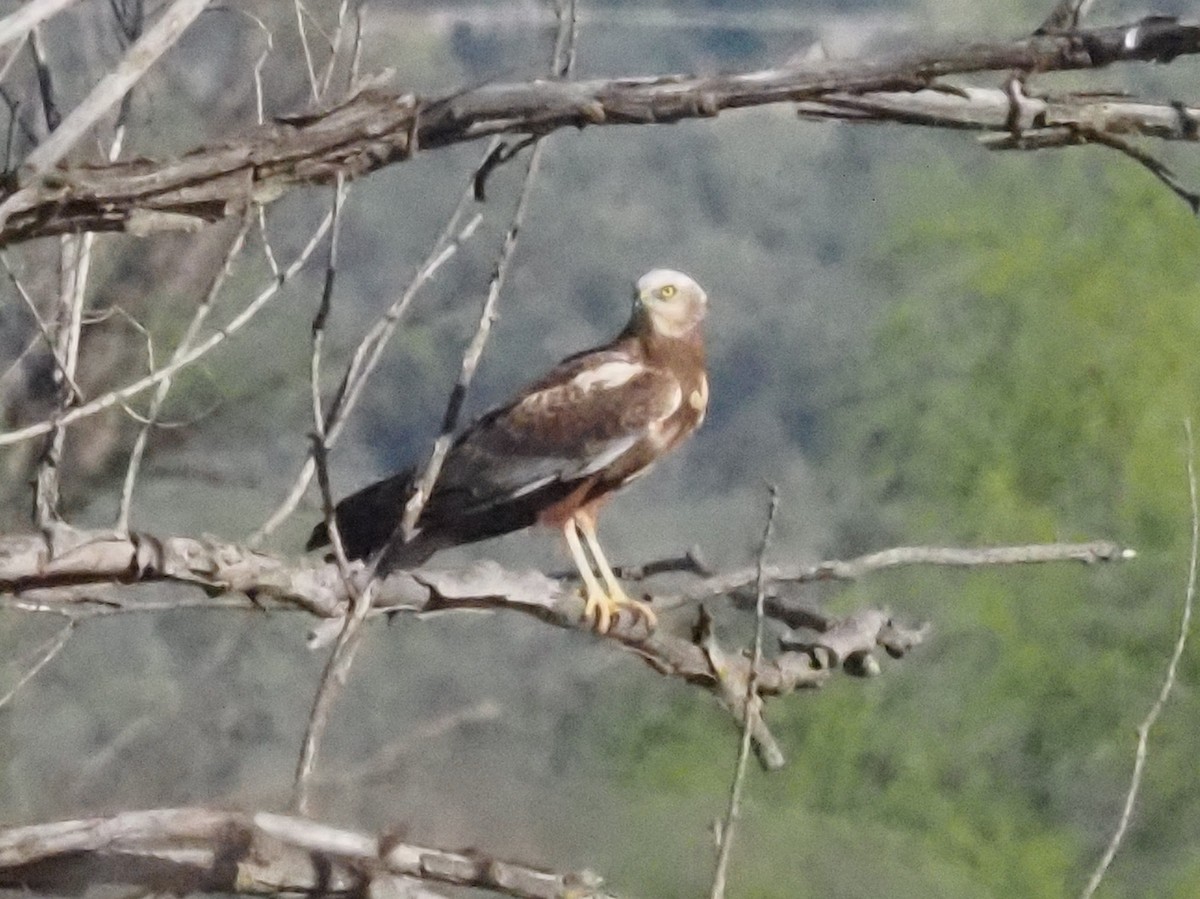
367, 519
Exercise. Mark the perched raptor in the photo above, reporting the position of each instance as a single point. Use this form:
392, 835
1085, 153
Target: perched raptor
555, 453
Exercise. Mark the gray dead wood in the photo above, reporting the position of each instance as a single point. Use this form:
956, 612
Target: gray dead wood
374, 128
187, 850
86, 579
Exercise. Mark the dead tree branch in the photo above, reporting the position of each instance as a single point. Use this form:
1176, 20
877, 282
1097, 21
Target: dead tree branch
374, 128
733, 582
78, 581
199, 850
1042, 119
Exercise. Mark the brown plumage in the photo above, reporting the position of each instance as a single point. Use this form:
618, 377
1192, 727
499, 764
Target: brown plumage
556, 452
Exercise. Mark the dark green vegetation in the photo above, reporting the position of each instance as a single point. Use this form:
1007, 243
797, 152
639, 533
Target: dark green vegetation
919, 341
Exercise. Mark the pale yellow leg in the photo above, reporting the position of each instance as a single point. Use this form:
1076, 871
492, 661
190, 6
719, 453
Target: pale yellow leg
598, 608
616, 593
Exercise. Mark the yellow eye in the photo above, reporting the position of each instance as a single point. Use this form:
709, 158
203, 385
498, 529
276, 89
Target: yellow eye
667, 291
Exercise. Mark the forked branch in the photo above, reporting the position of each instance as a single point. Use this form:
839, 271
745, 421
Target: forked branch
375, 128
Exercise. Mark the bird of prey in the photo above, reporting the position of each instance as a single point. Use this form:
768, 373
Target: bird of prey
556, 452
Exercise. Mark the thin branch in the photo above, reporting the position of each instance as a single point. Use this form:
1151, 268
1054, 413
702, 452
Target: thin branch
336, 671
308, 57
753, 709
374, 128
561, 61
199, 850
112, 87
268, 46
988, 109
45, 655
1168, 684
384, 761
335, 48
99, 404
470, 361
337, 667
164, 386
1155, 167
74, 262
901, 557
44, 332
18, 24
366, 358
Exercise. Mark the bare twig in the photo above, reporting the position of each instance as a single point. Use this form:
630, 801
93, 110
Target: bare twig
20, 23
1042, 119
198, 850
561, 61
366, 359
337, 668
320, 436
901, 557
68, 324
75, 262
112, 87
1164, 693
164, 386
384, 761
99, 404
268, 46
335, 48
308, 57
44, 331
753, 709
1154, 166
45, 655
470, 361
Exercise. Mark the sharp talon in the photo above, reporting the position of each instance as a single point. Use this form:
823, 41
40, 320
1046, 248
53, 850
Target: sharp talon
639, 610
597, 611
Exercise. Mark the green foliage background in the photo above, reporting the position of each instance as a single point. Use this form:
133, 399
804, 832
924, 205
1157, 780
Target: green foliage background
921, 342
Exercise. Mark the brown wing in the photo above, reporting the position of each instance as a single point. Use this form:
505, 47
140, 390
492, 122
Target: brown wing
581, 418
585, 415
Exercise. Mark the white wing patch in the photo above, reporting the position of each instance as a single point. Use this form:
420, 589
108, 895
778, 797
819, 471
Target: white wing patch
610, 455
607, 375
658, 432
698, 400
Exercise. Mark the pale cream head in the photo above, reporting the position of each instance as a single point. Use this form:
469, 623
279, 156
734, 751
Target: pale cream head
674, 303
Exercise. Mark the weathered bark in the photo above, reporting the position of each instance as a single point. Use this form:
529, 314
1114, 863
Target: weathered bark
78, 579
188, 850
374, 128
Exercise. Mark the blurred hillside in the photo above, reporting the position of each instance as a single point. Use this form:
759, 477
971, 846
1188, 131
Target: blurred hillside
918, 340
